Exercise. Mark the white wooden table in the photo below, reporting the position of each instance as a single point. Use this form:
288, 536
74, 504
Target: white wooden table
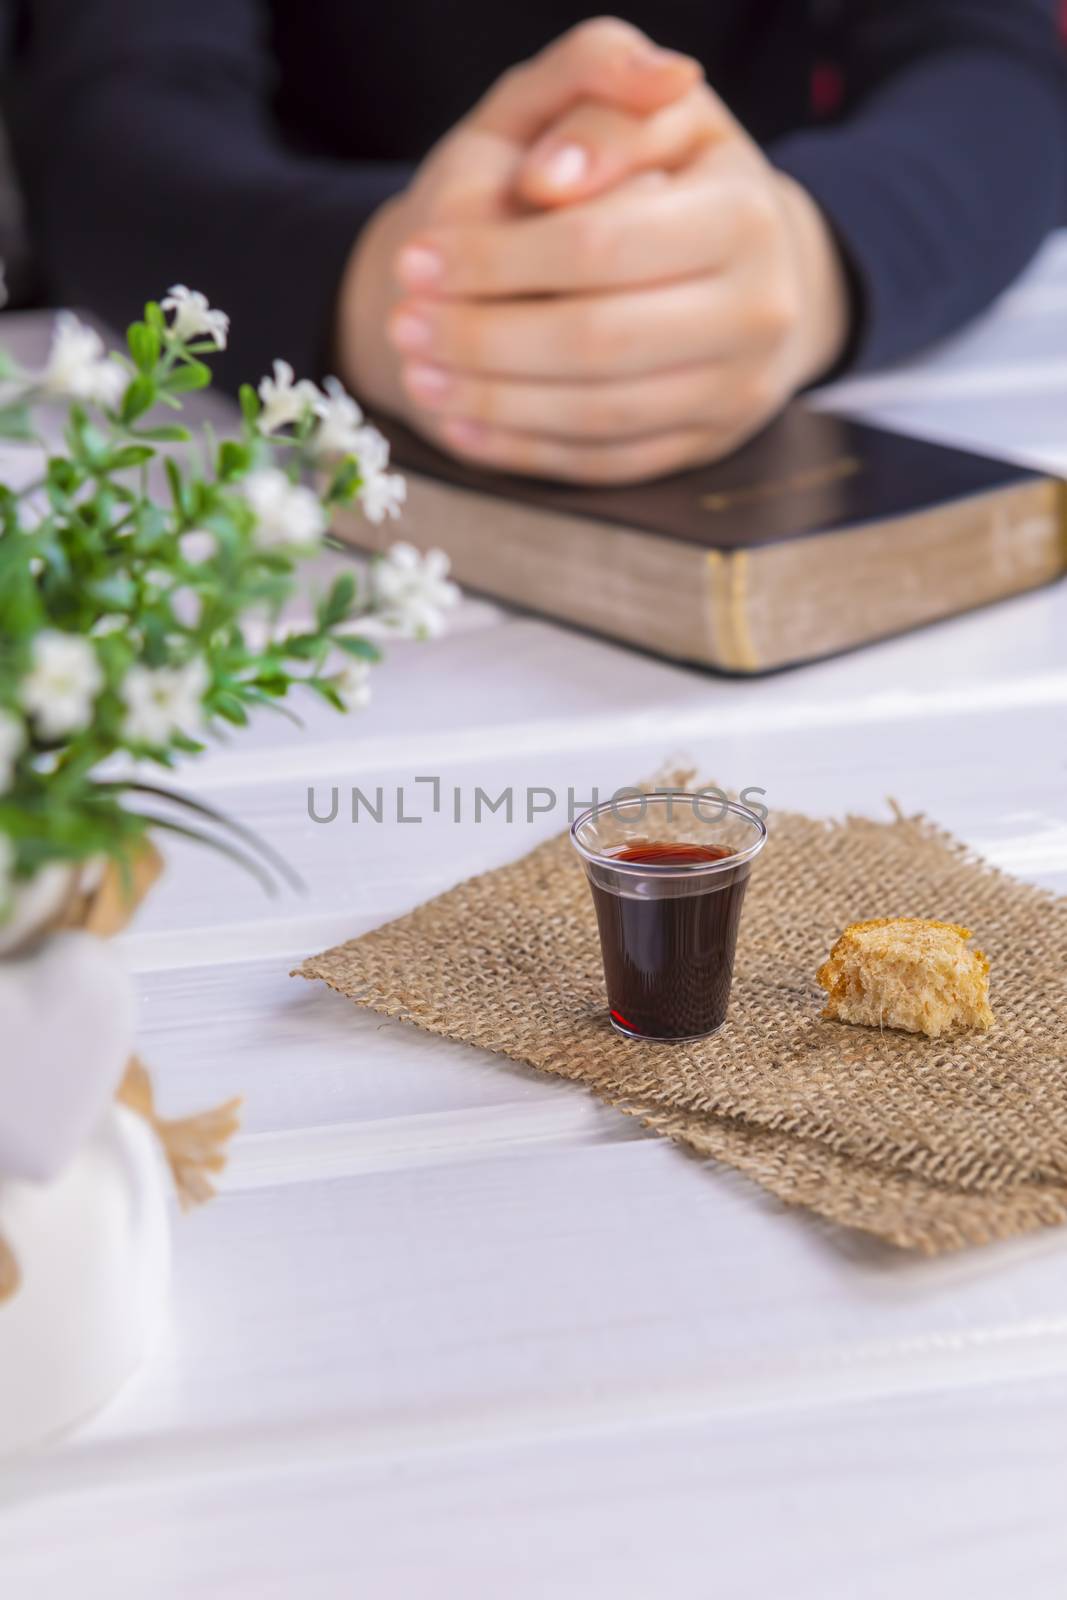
456, 1330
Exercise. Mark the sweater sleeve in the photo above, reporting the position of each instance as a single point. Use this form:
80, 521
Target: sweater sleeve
946, 167
148, 148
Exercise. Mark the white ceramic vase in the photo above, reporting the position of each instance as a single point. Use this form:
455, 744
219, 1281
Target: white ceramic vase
83, 1193
93, 1248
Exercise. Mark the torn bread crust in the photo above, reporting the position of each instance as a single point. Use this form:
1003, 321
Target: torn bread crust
910, 973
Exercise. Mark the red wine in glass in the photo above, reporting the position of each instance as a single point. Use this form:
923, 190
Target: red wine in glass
668, 912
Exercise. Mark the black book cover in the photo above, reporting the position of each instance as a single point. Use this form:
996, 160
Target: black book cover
807, 473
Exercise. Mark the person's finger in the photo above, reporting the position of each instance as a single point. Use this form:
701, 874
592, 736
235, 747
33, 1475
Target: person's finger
641, 233
629, 461
592, 147
603, 59
598, 336
719, 395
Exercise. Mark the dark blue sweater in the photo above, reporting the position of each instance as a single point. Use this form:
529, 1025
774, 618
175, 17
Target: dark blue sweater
238, 145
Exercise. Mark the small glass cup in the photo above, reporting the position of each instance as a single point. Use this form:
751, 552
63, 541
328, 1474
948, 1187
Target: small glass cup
668, 873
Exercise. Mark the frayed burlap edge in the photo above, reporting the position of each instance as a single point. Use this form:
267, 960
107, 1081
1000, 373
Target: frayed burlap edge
895, 1206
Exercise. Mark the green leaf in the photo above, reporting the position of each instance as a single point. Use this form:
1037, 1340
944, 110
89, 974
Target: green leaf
131, 455
327, 691
87, 444
171, 434
139, 398
150, 525
229, 706
301, 645
177, 488
355, 646
192, 375
344, 483
63, 474
234, 459
144, 345
153, 315
338, 603
191, 747
250, 406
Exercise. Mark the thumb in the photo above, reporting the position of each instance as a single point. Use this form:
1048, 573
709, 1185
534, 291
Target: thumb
605, 60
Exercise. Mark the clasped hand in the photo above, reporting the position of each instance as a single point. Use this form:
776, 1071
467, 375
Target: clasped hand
597, 276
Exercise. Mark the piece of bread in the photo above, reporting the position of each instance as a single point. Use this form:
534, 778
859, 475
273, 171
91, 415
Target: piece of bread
905, 972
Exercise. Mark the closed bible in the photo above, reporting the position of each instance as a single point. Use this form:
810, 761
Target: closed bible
819, 535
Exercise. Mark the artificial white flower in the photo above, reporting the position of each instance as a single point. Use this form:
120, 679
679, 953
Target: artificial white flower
372, 448
342, 432
65, 679
286, 513
79, 367
381, 494
414, 590
162, 701
198, 546
12, 739
352, 683
193, 317
339, 431
284, 401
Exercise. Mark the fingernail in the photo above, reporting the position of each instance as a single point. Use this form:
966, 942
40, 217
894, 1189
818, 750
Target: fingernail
429, 383
419, 266
463, 432
563, 168
409, 331
653, 58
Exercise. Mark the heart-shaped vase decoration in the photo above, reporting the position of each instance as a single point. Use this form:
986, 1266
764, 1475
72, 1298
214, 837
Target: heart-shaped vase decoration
66, 1034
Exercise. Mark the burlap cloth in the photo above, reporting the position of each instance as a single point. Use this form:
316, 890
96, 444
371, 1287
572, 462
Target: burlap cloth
929, 1144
